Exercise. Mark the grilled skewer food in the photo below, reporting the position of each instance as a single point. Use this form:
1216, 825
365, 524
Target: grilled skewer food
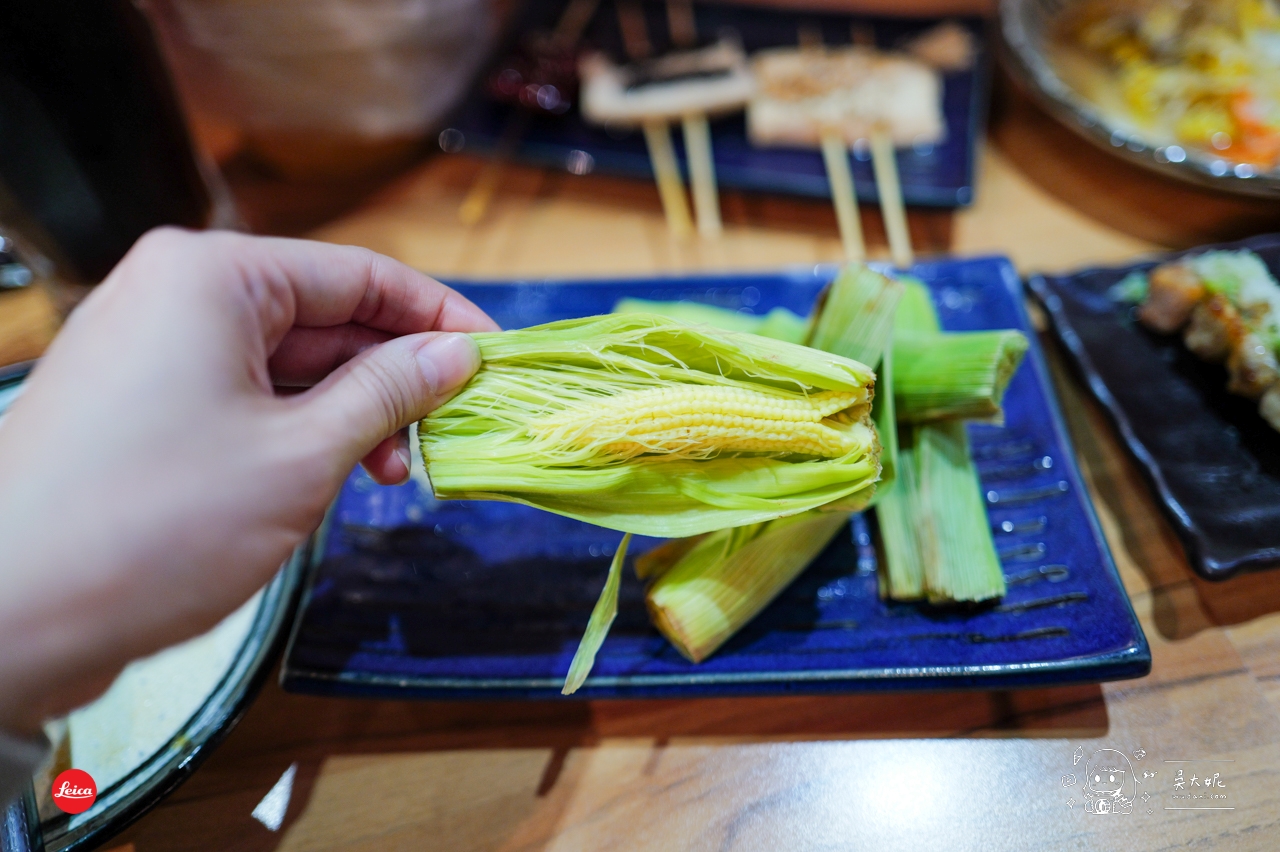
1174, 292
854, 91
707, 81
1227, 306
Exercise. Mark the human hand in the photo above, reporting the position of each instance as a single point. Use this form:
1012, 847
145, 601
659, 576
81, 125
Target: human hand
153, 474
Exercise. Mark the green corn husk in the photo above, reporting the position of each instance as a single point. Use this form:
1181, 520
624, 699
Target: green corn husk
855, 319
485, 442
948, 375
960, 560
602, 616
916, 312
933, 523
779, 323
884, 414
957, 375
899, 511
899, 507
658, 560
729, 576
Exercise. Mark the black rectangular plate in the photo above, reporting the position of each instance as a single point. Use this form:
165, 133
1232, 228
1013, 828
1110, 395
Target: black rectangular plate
1212, 460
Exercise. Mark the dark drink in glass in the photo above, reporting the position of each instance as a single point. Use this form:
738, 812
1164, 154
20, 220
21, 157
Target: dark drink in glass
94, 150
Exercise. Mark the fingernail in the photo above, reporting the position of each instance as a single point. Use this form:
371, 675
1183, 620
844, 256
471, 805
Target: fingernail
448, 361
402, 453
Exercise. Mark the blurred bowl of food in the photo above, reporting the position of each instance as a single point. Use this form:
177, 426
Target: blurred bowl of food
1188, 88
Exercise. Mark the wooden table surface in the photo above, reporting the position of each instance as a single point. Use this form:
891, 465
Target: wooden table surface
959, 770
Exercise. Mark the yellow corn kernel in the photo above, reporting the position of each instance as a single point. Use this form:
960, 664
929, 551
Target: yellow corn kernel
701, 421
1204, 120
1138, 82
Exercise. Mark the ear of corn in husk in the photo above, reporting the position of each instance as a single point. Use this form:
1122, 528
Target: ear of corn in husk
723, 579
729, 576
854, 319
641, 424
706, 590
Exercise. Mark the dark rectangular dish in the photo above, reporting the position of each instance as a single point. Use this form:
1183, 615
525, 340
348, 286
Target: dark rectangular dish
940, 175
1213, 462
415, 597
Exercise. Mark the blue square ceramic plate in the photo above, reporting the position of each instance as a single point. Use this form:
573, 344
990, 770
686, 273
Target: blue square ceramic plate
411, 596
939, 175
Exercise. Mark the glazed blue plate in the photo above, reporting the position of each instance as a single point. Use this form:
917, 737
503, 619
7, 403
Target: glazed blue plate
939, 175
410, 596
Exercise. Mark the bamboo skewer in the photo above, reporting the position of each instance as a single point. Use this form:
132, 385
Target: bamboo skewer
569, 28
702, 175
667, 174
891, 204
635, 32
477, 199
657, 135
683, 29
835, 155
681, 25
573, 21
476, 202
885, 166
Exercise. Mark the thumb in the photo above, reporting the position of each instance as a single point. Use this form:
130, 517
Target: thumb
387, 387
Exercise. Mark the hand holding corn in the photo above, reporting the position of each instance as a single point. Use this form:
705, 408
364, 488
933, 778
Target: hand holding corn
197, 478
646, 425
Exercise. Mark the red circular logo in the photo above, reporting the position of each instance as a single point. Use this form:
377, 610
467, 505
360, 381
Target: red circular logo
74, 791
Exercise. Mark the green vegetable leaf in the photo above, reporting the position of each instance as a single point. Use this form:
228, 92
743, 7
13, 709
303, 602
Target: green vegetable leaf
1129, 290
602, 616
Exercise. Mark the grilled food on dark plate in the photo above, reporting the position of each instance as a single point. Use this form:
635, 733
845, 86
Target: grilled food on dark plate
1227, 305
